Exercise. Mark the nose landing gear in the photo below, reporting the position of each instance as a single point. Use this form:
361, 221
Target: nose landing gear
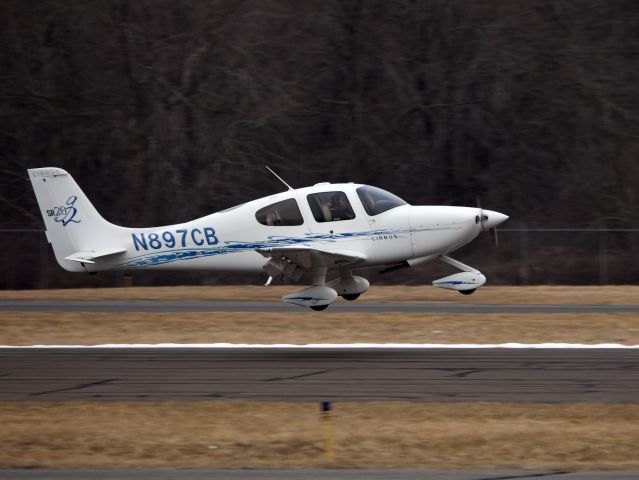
465, 282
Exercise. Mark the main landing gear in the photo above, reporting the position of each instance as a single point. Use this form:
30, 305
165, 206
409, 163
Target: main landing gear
350, 296
323, 293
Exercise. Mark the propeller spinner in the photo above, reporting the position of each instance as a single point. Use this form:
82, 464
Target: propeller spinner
489, 220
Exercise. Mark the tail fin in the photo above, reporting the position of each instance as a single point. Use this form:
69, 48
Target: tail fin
74, 228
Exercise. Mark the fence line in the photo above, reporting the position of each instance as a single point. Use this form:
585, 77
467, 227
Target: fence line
608, 252
523, 229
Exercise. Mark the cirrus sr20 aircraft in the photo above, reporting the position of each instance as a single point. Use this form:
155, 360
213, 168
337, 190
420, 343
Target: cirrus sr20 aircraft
324, 229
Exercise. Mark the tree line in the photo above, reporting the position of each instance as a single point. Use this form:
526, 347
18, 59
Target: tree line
166, 110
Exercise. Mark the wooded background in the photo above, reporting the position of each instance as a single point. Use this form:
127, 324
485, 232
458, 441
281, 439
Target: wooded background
166, 110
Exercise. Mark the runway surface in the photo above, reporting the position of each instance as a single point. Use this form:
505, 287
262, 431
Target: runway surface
339, 306
437, 375
311, 475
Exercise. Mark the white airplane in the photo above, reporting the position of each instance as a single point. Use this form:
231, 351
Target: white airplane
320, 229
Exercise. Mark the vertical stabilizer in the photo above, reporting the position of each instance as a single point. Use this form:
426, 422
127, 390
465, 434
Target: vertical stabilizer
72, 223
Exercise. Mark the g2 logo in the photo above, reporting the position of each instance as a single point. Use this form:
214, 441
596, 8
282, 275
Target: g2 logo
66, 213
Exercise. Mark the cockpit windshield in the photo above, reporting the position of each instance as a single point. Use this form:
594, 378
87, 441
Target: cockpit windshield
376, 200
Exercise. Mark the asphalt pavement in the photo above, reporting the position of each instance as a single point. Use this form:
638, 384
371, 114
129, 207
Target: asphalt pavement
345, 374
339, 306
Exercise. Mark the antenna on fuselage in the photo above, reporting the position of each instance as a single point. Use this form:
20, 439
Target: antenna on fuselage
279, 178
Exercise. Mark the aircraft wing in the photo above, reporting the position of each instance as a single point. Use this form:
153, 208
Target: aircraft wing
292, 261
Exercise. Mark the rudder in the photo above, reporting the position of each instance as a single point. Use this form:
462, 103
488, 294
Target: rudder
72, 223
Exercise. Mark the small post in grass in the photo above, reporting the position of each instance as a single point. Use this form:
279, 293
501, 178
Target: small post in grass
328, 430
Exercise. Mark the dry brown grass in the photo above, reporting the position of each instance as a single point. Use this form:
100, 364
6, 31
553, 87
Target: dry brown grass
525, 295
20, 328
263, 435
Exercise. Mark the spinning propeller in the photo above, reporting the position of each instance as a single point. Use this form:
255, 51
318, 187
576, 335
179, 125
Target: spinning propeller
489, 220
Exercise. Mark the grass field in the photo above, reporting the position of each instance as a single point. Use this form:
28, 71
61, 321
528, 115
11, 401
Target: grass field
605, 295
303, 326
371, 435
72, 328
290, 435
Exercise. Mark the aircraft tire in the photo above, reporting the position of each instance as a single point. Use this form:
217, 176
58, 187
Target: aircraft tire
319, 308
467, 292
350, 296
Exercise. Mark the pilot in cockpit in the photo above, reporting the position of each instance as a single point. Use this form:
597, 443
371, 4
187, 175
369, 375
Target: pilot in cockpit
340, 208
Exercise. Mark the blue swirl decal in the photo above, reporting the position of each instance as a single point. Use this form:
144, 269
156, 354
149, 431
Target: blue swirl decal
308, 299
231, 246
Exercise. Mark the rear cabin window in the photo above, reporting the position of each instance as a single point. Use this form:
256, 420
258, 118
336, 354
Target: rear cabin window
280, 214
330, 206
376, 201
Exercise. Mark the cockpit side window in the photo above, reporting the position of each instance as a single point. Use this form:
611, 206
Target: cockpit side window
330, 207
280, 214
376, 201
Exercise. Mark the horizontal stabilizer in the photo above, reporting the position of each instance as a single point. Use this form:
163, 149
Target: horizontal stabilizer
89, 257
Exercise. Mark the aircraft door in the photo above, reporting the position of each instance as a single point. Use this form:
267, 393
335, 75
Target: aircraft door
335, 222
389, 223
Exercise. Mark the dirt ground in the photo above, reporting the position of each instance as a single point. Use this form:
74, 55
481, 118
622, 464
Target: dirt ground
366, 435
372, 435
305, 327
79, 328
601, 295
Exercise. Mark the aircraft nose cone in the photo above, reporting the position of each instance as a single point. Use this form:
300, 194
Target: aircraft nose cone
491, 219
